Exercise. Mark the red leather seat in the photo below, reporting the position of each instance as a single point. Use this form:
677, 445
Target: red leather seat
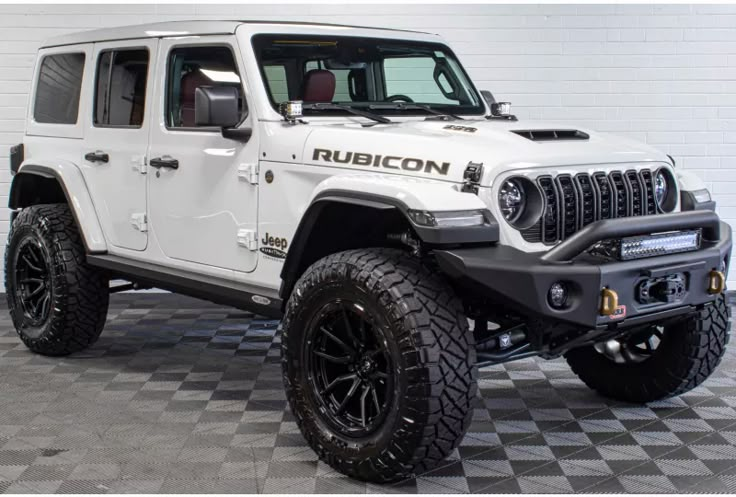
318, 85
189, 84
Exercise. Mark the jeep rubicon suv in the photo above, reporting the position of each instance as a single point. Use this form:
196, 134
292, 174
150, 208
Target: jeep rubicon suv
406, 226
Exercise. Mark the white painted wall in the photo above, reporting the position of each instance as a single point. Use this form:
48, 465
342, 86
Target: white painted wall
664, 74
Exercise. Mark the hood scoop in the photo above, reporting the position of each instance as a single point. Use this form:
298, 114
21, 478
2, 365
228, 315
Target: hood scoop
543, 135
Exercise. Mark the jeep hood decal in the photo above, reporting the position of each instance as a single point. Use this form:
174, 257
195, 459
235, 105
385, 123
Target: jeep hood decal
441, 150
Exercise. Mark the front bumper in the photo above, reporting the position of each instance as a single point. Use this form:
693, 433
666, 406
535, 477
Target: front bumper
521, 280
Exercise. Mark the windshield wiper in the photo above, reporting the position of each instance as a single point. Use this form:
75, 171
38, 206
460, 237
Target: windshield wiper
412, 106
346, 108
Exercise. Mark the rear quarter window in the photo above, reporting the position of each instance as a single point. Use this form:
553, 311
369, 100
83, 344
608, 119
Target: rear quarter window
58, 88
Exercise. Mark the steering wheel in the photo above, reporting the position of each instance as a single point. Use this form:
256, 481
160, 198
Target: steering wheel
399, 98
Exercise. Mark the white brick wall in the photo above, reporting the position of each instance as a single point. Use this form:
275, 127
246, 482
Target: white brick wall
663, 74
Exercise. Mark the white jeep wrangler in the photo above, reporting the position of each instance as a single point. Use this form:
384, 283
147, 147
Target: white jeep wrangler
406, 226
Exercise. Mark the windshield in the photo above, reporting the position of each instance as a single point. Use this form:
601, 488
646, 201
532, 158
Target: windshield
364, 72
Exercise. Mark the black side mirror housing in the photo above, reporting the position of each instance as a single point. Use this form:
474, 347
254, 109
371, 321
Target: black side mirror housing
216, 106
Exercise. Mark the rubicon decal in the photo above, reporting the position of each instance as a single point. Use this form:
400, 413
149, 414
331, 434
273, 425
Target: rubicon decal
384, 161
274, 247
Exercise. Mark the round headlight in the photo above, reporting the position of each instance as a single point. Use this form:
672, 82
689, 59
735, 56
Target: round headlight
660, 187
520, 202
511, 199
665, 190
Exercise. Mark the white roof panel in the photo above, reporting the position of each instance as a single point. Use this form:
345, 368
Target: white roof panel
166, 29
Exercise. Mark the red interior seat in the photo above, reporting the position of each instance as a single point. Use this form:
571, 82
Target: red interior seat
318, 86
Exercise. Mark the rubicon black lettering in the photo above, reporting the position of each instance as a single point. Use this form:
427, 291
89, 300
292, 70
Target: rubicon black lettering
385, 161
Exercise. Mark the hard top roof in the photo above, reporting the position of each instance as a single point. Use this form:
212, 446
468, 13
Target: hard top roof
178, 28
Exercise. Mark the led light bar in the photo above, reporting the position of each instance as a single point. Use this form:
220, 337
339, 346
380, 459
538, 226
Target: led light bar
448, 219
638, 247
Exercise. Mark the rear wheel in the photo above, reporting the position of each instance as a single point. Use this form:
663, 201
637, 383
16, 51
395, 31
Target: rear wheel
57, 302
379, 364
659, 361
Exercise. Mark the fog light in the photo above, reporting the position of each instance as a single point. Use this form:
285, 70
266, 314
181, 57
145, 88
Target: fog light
557, 295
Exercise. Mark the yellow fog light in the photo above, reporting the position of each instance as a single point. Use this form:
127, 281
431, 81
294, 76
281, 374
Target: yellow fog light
716, 282
609, 302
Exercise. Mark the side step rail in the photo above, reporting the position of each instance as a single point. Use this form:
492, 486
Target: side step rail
251, 298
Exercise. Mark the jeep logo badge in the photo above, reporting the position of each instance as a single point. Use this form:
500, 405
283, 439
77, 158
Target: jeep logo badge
274, 247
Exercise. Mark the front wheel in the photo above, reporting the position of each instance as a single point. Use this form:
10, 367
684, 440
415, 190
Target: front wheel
659, 361
378, 363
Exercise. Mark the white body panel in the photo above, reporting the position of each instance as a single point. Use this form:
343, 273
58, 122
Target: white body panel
196, 211
80, 200
118, 187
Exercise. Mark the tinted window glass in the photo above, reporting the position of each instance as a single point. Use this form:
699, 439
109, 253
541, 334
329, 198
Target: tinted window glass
276, 78
191, 68
367, 71
121, 88
414, 77
58, 88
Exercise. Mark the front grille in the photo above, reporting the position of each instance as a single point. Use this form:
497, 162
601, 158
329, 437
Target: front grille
572, 202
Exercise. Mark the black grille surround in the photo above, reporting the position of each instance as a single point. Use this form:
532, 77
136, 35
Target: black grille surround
574, 201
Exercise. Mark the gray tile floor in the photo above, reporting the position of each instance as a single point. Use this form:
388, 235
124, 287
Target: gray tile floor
180, 395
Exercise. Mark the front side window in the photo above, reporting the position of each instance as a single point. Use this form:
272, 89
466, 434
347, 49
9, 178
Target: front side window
120, 97
58, 89
374, 74
190, 68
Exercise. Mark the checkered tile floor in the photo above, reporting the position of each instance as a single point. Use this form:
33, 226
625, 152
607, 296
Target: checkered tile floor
180, 395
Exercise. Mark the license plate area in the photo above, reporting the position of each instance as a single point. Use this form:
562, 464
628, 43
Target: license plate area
668, 289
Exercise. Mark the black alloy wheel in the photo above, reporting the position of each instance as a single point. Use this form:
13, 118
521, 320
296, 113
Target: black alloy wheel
378, 363
349, 367
58, 303
32, 277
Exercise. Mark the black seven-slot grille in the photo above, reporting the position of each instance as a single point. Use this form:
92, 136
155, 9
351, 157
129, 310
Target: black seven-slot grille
572, 202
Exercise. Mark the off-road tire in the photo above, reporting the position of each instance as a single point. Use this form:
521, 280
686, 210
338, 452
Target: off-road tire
690, 351
79, 293
435, 368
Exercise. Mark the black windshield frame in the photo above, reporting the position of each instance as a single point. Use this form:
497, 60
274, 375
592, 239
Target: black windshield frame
260, 42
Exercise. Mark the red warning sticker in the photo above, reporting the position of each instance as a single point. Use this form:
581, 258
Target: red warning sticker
619, 313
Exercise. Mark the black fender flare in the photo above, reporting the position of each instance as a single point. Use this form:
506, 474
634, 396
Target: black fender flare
432, 236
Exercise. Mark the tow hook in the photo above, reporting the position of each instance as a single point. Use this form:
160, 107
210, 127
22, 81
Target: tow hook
609, 302
716, 282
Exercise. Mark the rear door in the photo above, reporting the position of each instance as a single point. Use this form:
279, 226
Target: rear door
116, 139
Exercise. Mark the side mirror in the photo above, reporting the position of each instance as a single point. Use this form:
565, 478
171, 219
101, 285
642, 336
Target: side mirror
216, 106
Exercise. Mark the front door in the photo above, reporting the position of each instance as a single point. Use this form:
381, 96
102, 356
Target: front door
203, 196
116, 139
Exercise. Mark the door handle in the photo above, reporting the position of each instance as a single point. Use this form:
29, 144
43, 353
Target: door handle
98, 156
164, 161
